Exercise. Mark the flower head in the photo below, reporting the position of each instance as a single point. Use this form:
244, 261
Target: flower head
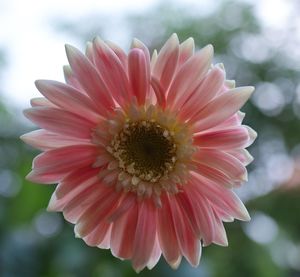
145, 150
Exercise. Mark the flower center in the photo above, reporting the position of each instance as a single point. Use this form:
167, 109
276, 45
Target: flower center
148, 151
145, 149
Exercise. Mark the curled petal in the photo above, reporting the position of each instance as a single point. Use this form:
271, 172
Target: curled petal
139, 74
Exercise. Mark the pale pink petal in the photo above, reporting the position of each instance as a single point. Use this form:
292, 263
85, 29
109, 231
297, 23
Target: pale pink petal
223, 162
190, 75
224, 198
197, 209
105, 243
119, 52
139, 74
140, 45
124, 205
189, 244
97, 236
252, 135
195, 101
223, 215
58, 162
214, 175
222, 107
41, 102
123, 234
112, 72
220, 236
159, 92
61, 122
224, 139
71, 79
166, 64
78, 203
90, 80
144, 235
44, 140
59, 204
155, 255
242, 154
98, 211
153, 60
167, 235
76, 181
231, 122
186, 50
68, 98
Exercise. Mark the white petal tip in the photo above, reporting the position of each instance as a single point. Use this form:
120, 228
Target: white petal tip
175, 264
209, 49
174, 36
230, 84
249, 89
244, 177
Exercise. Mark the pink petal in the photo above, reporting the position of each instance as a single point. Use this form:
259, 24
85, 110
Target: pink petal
126, 204
139, 74
98, 211
98, 235
222, 107
186, 50
51, 165
76, 180
190, 75
123, 233
214, 175
68, 98
224, 139
155, 255
242, 154
140, 45
153, 60
166, 234
59, 203
197, 210
195, 101
221, 197
188, 242
144, 235
41, 102
90, 192
90, 80
105, 243
71, 79
112, 72
119, 52
231, 122
59, 121
159, 92
223, 162
44, 140
220, 236
166, 63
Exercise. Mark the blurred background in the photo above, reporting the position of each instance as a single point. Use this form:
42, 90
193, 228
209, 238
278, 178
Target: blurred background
258, 42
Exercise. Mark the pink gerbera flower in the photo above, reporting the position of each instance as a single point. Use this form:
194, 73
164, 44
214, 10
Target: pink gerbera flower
145, 151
